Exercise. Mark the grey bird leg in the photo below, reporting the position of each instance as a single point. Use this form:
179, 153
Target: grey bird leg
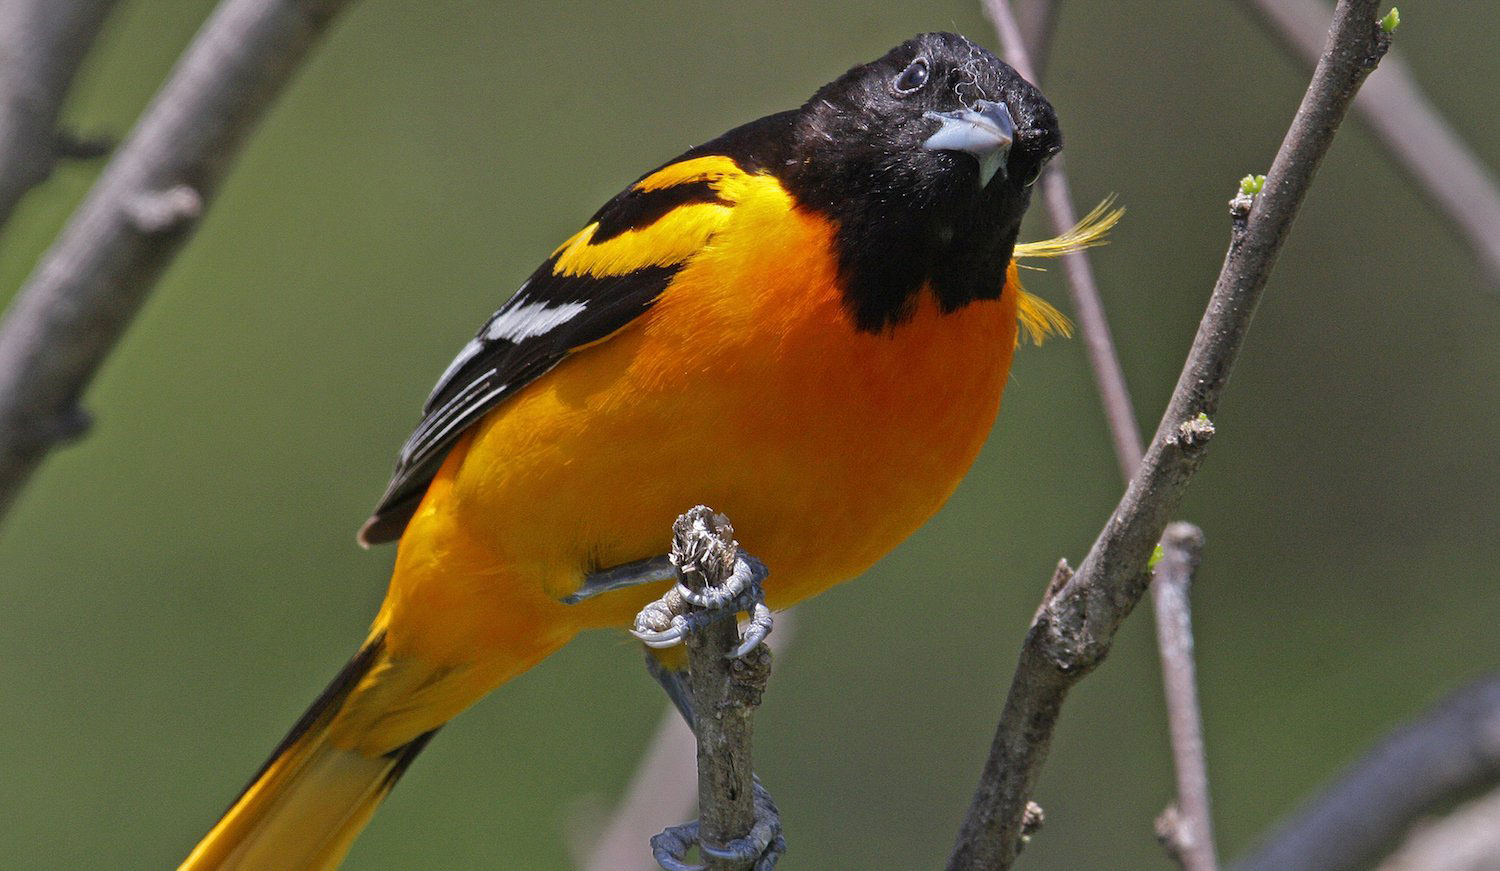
646, 571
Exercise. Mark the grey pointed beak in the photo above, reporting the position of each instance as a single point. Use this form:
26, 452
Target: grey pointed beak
985, 130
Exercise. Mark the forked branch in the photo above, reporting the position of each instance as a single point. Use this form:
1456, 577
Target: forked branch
1077, 621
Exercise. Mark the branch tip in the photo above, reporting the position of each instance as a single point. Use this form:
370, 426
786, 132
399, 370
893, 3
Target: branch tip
1196, 432
165, 210
1183, 541
70, 145
1171, 834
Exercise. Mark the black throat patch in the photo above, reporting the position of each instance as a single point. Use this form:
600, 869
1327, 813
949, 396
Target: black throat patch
958, 250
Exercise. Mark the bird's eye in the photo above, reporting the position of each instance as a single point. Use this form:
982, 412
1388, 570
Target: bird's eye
1042, 164
912, 78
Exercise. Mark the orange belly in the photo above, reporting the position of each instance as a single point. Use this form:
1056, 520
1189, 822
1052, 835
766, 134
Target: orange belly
825, 446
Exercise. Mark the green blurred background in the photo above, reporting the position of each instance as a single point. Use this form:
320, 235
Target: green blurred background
178, 586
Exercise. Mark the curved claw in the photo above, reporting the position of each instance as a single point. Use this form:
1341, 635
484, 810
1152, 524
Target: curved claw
772, 855
746, 848
764, 843
669, 637
672, 844
756, 630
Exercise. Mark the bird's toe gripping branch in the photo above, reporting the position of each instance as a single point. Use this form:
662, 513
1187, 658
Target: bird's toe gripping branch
765, 844
703, 550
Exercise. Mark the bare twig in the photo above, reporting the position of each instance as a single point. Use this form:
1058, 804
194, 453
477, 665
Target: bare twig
86, 289
1190, 836
42, 44
1411, 129
1088, 306
1452, 750
726, 691
1187, 826
1468, 839
664, 788
736, 826
1077, 624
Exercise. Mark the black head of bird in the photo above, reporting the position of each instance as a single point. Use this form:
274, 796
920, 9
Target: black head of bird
925, 158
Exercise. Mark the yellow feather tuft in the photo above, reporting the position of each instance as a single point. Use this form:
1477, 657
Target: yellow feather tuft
1087, 233
1039, 319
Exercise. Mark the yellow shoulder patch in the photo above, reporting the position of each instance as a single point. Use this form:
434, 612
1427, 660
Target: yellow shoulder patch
678, 235
670, 239
709, 169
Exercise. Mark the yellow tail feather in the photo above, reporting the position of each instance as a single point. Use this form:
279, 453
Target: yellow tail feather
307, 805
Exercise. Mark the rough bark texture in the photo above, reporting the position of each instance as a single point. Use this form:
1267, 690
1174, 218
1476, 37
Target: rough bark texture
726, 691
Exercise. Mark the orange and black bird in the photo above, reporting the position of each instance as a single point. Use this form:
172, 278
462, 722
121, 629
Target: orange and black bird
805, 323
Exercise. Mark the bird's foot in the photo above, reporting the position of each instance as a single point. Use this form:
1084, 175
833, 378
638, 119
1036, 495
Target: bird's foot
764, 845
686, 608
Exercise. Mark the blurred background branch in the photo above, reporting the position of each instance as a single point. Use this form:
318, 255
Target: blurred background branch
1467, 839
42, 44
1450, 752
83, 294
1024, 46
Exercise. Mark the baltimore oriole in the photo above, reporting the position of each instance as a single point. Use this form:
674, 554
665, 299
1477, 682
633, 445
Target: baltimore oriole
806, 323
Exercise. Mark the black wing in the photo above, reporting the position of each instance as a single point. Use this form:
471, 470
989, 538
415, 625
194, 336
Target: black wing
561, 308
549, 317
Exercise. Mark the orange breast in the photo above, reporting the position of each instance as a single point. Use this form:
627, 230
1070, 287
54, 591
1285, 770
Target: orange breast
745, 388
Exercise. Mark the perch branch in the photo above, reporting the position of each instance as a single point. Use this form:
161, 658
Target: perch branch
89, 284
1077, 621
736, 827
42, 44
726, 691
664, 788
1186, 828
1411, 130
1452, 750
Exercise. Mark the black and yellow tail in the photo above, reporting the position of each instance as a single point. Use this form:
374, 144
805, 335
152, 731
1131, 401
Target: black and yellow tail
305, 807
